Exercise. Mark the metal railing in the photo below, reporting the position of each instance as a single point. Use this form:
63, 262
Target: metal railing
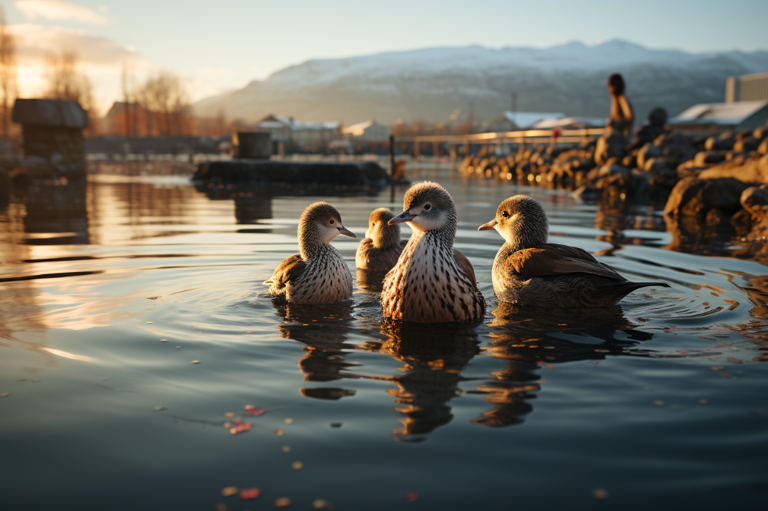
565, 136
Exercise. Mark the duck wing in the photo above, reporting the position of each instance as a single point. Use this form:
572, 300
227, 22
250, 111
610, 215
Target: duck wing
287, 270
464, 264
551, 259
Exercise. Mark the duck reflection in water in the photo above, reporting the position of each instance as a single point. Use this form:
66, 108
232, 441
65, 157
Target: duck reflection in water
527, 339
433, 357
323, 331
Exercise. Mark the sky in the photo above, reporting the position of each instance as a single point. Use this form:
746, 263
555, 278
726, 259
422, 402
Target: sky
223, 45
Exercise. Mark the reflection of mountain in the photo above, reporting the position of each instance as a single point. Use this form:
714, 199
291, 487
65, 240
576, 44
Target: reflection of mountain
433, 357
529, 338
322, 329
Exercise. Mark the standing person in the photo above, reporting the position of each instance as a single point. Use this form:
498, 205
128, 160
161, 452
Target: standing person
622, 115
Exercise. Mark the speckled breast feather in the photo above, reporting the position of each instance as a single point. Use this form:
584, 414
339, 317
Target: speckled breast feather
326, 279
427, 286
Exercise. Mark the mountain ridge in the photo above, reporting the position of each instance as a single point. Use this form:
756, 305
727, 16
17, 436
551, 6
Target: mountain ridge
431, 83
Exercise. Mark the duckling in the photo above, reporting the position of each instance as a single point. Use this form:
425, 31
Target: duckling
529, 271
318, 274
431, 282
381, 246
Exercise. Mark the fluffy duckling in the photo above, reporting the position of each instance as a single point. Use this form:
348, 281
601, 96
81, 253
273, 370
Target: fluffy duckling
431, 282
318, 274
381, 246
531, 272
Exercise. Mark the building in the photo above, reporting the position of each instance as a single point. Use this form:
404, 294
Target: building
52, 131
717, 117
570, 123
514, 121
368, 131
127, 119
752, 87
304, 134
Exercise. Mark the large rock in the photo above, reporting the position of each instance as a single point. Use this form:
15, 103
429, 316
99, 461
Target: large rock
696, 197
750, 170
647, 152
755, 200
613, 145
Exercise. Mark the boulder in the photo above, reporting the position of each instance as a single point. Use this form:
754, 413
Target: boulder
719, 143
751, 170
647, 152
613, 169
763, 147
696, 197
612, 145
746, 145
755, 201
706, 158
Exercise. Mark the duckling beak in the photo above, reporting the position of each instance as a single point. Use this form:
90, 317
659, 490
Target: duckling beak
487, 227
346, 232
405, 216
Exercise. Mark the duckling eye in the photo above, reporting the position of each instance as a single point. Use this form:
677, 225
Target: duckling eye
331, 222
504, 214
427, 207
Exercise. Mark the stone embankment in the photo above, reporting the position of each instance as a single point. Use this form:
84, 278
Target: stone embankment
709, 180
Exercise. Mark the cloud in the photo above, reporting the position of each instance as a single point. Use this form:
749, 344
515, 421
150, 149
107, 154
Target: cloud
59, 10
36, 42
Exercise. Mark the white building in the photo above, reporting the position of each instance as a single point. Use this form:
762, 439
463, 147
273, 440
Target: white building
304, 134
368, 131
737, 116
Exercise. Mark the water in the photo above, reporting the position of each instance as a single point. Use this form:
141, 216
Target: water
109, 292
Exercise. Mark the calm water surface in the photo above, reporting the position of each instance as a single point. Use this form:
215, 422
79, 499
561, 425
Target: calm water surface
109, 292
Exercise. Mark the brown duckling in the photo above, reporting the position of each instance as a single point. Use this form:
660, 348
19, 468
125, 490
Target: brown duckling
431, 282
318, 274
381, 246
529, 271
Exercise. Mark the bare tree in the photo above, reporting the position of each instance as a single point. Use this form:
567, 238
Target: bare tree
65, 82
165, 99
8, 85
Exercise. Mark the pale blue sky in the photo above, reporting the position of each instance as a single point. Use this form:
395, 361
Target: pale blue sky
226, 43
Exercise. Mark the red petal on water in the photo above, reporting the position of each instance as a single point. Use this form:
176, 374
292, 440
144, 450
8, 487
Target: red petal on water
255, 411
240, 428
249, 493
411, 497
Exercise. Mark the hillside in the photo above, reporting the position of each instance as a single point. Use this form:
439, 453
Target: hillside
431, 83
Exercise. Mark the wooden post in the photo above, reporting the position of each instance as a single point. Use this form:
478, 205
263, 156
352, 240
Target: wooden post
435, 150
392, 167
466, 148
453, 153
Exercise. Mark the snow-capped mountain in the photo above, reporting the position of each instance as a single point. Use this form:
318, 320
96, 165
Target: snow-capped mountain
432, 83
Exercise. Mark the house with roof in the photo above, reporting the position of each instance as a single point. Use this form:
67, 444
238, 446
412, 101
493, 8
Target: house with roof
717, 117
368, 131
514, 121
303, 134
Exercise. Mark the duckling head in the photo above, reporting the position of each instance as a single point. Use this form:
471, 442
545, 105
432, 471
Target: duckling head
521, 221
319, 224
428, 207
379, 230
